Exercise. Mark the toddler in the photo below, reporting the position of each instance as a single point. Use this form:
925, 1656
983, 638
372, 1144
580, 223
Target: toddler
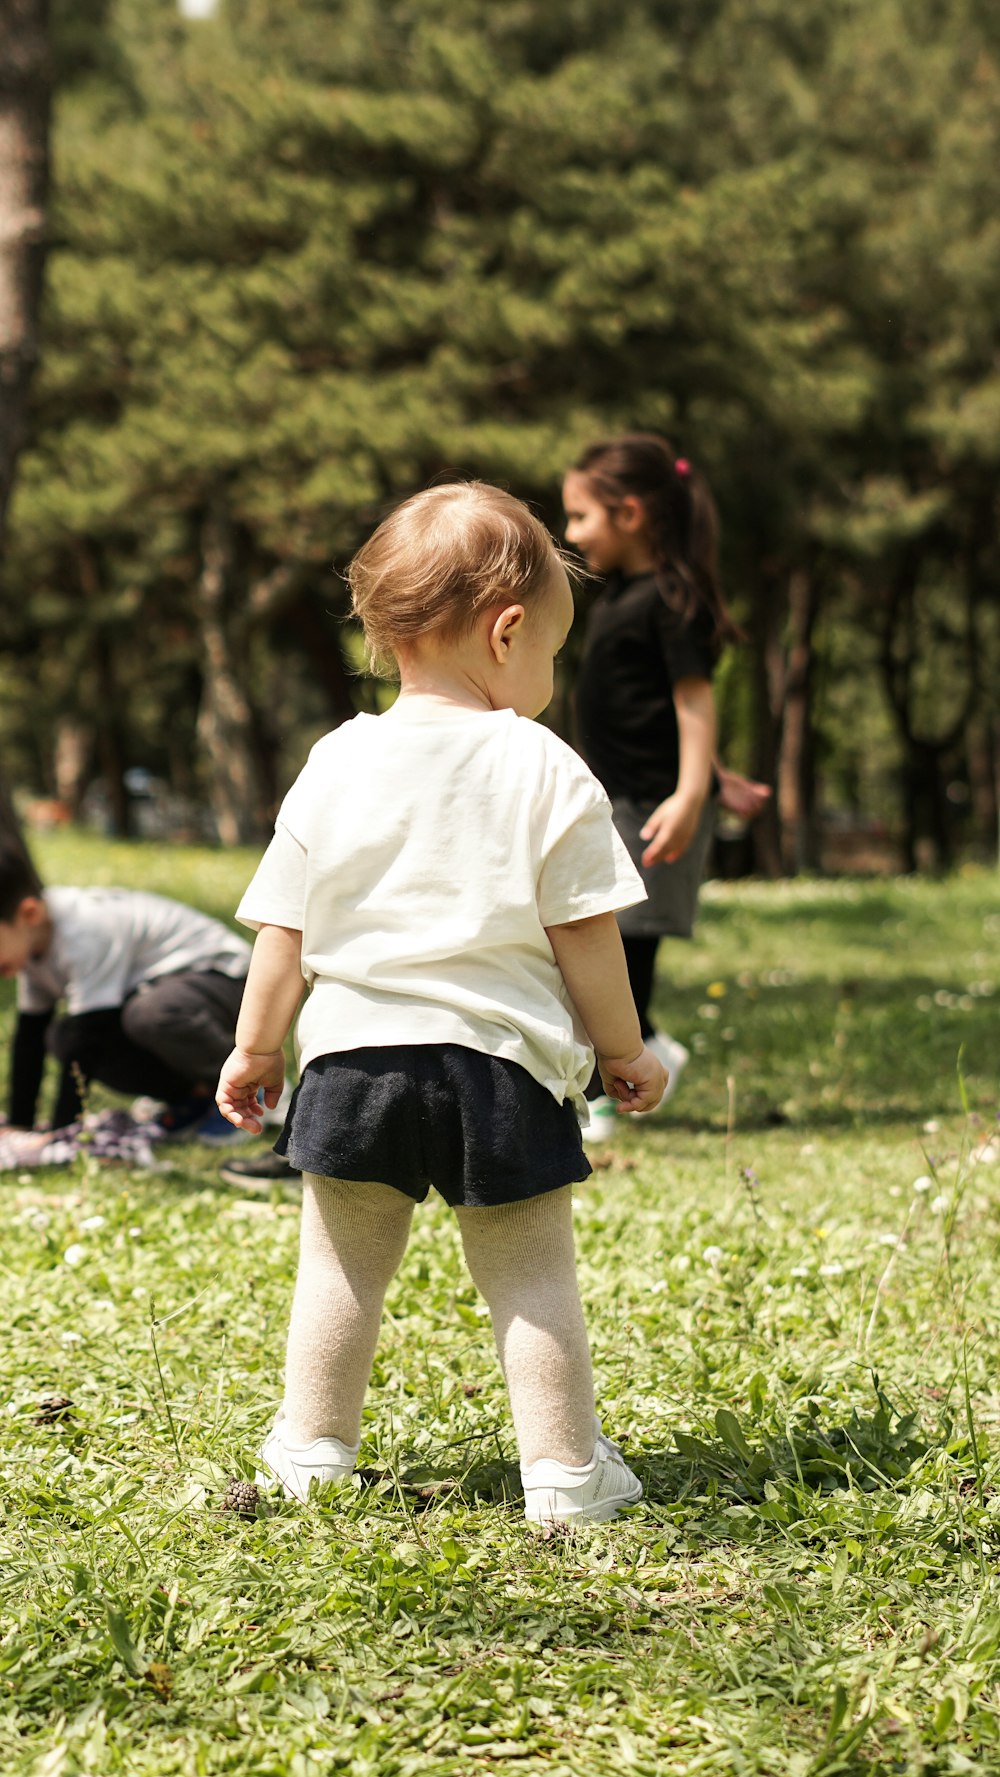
445, 877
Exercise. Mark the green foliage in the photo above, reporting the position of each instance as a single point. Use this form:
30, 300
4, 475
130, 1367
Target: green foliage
306, 259
866, 1451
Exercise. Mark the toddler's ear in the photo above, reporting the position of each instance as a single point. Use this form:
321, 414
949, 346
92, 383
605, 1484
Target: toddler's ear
32, 910
502, 631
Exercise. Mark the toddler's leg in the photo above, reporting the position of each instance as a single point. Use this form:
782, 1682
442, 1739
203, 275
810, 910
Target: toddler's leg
353, 1238
522, 1261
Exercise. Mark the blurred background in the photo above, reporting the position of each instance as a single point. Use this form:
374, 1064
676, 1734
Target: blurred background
266, 268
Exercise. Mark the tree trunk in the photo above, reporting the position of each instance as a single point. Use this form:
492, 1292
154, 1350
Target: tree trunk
71, 762
110, 736
796, 788
24, 128
927, 827
225, 719
927, 840
24, 136
111, 739
324, 653
768, 668
983, 744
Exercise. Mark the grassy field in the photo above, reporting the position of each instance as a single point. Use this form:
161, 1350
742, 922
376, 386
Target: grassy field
793, 1283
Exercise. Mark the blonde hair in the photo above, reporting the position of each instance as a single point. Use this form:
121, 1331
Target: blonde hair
443, 558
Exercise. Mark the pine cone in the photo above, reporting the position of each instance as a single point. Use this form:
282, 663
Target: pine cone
52, 1408
240, 1497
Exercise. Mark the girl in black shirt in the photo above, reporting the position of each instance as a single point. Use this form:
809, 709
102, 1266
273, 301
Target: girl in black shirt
644, 519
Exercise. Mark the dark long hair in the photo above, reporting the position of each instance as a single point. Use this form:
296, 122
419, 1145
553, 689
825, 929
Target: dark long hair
681, 515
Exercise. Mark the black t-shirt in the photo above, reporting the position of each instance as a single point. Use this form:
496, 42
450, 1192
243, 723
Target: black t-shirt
635, 651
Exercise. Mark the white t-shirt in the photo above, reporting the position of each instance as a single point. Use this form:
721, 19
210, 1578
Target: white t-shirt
106, 942
422, 854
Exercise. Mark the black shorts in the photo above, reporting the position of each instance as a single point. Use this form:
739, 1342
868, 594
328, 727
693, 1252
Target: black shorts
481, 1130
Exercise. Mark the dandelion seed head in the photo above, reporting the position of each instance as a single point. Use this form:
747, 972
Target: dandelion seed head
75, 1254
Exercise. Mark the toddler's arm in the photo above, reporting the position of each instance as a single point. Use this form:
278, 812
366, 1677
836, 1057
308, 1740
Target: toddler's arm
270, 998
592, 961
671, 827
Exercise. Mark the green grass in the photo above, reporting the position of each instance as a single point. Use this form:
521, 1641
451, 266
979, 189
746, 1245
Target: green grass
810, 1586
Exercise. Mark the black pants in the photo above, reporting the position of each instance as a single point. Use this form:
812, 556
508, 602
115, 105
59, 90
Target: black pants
640, 959
170, 1037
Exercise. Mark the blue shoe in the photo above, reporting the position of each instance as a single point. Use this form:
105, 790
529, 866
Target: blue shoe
180, 1121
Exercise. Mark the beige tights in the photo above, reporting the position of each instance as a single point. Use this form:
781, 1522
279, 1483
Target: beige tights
353, 1238
522, 1261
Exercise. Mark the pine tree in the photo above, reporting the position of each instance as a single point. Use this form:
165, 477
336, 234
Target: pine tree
308, 258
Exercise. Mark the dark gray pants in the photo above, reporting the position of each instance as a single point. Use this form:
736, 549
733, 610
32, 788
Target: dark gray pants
170, 1037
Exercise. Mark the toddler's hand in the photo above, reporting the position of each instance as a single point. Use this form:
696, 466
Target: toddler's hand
638, 1082
242, 1077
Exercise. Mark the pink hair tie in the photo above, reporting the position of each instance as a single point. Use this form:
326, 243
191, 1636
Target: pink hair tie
682, 466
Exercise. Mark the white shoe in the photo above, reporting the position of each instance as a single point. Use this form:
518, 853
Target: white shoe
292, 1466
556, 1494
602, 1123
675, 1058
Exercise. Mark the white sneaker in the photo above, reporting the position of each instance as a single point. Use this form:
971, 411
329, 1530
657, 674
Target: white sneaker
556, 1494
293, 1466
602, 1123
675, 1058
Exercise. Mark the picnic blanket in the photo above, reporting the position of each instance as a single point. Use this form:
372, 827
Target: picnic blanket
106, 1135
